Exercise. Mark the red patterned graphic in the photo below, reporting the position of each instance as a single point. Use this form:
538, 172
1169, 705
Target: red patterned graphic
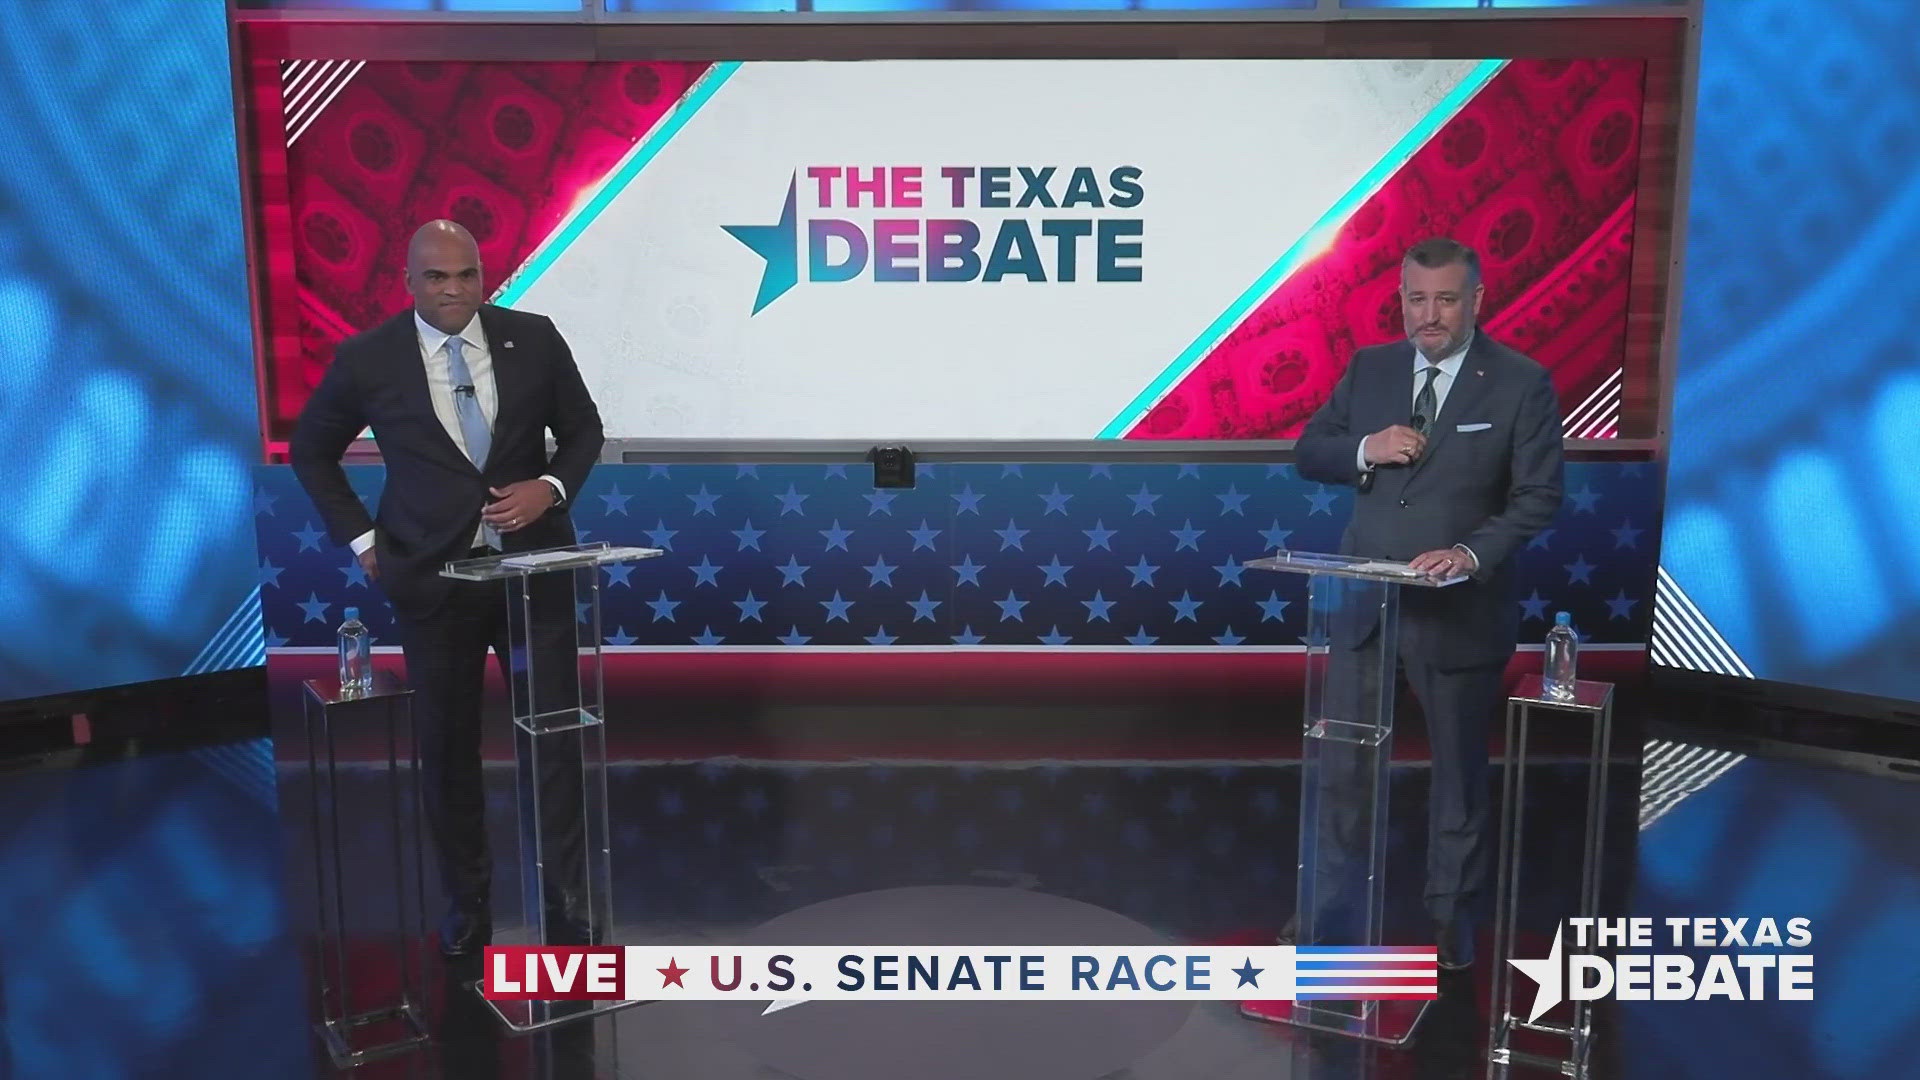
1537, 173
506, 149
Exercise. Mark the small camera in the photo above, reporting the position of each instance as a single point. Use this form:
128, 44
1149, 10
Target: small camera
892, 466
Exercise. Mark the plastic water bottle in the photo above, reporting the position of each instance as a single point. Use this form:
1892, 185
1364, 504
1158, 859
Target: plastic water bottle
1563, 649
356, 657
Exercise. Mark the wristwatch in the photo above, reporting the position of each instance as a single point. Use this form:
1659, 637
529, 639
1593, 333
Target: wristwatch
559, 499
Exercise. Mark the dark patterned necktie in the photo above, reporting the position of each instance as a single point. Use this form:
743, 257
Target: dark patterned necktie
1426, 404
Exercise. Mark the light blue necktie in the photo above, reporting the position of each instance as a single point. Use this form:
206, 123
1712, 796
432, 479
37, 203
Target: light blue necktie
473, 423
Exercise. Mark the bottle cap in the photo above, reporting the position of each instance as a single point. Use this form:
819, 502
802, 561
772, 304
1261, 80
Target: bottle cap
1562, 618
353, 613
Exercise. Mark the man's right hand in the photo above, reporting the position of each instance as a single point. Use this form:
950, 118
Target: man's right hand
371, 564
1396, 445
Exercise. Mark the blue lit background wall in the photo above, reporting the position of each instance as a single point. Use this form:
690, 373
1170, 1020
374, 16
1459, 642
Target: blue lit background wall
1498, 5
142, 927
1793, 513
1779, 840
127, 414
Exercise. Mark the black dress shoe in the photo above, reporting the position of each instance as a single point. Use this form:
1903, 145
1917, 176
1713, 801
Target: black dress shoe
1331, 930
466, 929
567, 920
1455, 940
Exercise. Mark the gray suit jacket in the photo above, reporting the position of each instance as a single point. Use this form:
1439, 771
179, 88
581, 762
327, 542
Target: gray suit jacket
1491, 488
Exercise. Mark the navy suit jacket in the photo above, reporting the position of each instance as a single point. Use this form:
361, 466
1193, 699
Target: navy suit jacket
431, 504
1491, 488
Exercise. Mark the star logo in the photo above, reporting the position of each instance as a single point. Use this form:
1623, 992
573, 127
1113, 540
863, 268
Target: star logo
672, 973
1546, 974
1249, 975
779, 245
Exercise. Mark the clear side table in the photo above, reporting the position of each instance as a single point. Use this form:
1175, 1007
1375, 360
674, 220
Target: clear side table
1592, 703
372, 990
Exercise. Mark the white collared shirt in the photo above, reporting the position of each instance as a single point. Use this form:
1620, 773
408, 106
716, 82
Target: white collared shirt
433, 356
1450, 366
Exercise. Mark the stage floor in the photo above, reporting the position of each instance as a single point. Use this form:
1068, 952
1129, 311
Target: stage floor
174, 947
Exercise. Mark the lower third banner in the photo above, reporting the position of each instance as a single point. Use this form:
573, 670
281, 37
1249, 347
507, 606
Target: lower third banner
790, 976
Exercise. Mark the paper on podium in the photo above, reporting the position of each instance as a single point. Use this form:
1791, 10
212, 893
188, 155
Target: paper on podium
539, 558
1403, 570
591, 556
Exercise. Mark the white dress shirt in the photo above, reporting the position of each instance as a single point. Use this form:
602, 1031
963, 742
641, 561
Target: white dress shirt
1450, 366
433, 355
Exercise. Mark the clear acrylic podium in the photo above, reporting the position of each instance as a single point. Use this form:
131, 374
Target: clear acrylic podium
1353, 611
560, 756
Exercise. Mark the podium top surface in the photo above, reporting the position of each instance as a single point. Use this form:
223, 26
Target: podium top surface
528, 563
1351, 566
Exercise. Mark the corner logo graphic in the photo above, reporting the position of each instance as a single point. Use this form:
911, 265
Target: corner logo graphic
778, 244
1545, 973
1083, 243
1759, 971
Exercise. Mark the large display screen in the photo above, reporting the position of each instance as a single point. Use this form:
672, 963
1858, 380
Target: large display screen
127, 412
1793, 518
927, 250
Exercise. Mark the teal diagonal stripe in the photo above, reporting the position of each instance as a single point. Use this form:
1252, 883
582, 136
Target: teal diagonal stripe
1311, 243
643, 155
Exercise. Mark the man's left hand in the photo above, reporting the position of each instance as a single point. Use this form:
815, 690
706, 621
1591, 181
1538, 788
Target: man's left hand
519, 505
1444, 563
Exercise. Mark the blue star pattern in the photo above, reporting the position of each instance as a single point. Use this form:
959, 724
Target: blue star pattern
1071, 555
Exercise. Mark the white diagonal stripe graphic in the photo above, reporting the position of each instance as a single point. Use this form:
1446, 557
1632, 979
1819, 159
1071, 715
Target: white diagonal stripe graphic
314, 114
1595, 411
302, 96
1609, 411
1579, 414
1673, 771
231, 637
1679, 622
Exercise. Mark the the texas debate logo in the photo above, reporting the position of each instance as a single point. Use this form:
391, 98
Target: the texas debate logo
1746, 961
1068, 235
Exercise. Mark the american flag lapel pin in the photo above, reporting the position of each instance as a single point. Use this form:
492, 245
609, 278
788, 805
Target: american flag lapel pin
506, 344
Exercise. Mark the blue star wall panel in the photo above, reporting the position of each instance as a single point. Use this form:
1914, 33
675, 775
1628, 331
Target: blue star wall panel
1071, 555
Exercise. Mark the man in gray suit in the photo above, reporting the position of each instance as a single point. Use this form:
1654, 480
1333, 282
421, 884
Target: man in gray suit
1454, 444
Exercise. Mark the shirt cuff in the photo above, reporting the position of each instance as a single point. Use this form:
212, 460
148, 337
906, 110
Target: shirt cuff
1470, 555
361, 543
1360, 458
559, 488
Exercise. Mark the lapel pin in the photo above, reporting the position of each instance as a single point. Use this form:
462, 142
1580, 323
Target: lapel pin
1476, 371
506, 344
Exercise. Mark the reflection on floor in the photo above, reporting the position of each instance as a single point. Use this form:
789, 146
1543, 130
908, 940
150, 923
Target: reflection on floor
153, 913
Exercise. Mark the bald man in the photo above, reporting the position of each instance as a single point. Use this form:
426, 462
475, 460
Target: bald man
460, 396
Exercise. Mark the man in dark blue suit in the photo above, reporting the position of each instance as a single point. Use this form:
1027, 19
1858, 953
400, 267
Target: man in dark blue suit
460, 396
1453, 442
